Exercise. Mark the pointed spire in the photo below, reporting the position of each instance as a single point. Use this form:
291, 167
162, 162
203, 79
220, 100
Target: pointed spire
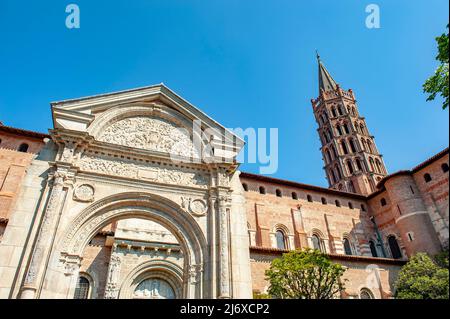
326, 81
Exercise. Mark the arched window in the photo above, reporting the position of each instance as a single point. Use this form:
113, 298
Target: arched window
316, 242
339, 130
334, 151
366, 294
324, 200
369, 146
443, 166
333, 111
350, 205
338, 203
346, 130
278, 193
338, 172
350, 167
281, 239
340, 110
154, 288
371, 163
262, 190
352, 145
361, 127
333, 176
363, 208
427, 178
353, 111
378, 164
82, 289
347, 247
309, 198
327, 156
358, 164
23, 148
394, 247
344, 147
383, 202
330, 135
294, 195
373, 249
245, 186
364, 145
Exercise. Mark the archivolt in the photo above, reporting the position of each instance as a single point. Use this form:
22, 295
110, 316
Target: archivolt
136, 205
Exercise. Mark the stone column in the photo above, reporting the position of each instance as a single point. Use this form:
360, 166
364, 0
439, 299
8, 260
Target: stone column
44, 238
224, 250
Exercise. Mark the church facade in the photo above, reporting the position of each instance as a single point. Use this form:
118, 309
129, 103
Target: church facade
126, 198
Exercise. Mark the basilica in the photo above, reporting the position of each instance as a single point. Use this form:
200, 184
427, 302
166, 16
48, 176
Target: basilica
119, 200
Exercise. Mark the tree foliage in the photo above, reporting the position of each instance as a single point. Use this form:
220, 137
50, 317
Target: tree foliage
438, 83
421, 278
306, 274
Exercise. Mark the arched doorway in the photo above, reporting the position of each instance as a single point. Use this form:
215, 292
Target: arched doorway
144, 206
394, 247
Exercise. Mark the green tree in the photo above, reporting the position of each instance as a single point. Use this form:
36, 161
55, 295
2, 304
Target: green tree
421, 278
306, 274
438, 83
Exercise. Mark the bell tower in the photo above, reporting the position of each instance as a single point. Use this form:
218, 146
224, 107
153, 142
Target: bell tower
352, 161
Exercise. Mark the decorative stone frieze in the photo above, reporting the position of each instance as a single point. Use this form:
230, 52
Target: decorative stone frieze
139, 171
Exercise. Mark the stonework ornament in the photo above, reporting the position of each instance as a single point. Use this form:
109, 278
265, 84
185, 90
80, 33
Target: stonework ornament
150, 133
150, 172
197, 207
112, 290
84, 193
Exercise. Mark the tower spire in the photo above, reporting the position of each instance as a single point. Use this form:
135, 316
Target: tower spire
326, 81
352, 161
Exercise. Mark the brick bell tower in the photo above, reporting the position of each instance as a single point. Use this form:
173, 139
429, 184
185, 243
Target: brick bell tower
352, 161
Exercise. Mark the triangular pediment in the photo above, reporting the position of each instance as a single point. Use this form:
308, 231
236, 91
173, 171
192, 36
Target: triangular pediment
152, 118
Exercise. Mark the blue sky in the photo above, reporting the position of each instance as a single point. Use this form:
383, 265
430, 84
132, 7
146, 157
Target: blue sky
245, 63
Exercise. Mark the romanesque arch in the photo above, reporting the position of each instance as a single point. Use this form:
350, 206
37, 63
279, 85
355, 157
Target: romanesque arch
146, 206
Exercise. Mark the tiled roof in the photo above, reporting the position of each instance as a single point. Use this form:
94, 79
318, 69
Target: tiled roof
417, 168
273, 180
13, 130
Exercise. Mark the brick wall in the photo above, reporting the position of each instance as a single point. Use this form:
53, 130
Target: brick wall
375, 274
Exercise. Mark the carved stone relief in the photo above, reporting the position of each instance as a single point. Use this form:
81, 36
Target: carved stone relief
84, 193
150, 133
130, 169
197, 207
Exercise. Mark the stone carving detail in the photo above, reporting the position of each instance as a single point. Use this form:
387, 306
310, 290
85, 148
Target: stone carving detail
195, 272
224, 253
84, 193
143, 172
44, 236
112, 287
68, 152
72, 264
197, 207
150, 133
